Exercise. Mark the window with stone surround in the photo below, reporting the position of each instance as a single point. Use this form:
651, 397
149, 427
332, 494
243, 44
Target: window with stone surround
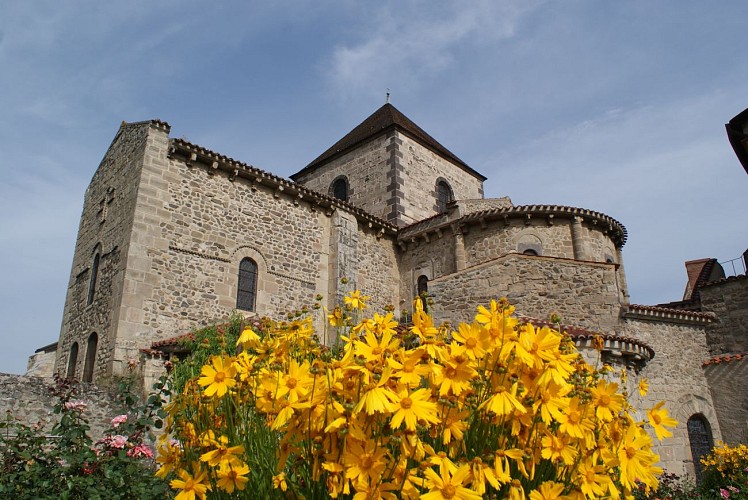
72, 360
422, 285
88, 367
339, 188
701, 441
94, 276
247, 288
444, 195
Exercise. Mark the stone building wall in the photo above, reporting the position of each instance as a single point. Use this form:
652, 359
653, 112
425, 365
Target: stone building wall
420, 168
585, 294
432, 259
728, 299
727, 377
105, 226
497, 239
29, 401
675, 375
367, 169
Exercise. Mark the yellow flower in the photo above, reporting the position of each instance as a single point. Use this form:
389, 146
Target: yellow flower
643, 387
336, 317
279, 482
374, 349
636, 460
412, 408
573, 421
549, 490
168, 456
355, 300
471, 337
364, 462
659, 419
449, 485
606, 400
190, 486
222, 454
248, 338
218, 376
232, 477
503, 401
454, 374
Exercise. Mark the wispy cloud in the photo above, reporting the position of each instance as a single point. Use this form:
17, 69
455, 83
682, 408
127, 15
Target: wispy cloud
408, 42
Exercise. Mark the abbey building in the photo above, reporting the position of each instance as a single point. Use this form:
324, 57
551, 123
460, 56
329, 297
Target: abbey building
174, 236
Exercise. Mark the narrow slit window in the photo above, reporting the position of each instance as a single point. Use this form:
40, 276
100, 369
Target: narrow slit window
88, 368
72, 360
93, 279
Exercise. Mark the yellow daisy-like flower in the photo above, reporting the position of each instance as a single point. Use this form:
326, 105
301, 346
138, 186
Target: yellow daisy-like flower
364, 462
222, 454
643, 387
279, 482
336, 317
449, 485
248, 338
606, 400
549, 490
413, 407
659, 419
190, 487
218, 376
231, 477
355, 300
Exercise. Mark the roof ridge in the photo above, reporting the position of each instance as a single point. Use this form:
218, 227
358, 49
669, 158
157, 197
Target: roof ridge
385, 118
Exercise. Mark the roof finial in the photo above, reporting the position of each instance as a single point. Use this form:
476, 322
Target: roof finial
388, 97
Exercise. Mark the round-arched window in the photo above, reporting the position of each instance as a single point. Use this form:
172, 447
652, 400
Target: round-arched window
444, 195
701, 441
422, 286
339, 188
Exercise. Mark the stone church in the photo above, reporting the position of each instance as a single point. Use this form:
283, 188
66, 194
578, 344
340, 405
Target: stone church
174, 236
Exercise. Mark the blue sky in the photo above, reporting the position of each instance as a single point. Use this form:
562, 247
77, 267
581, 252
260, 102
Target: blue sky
617, 107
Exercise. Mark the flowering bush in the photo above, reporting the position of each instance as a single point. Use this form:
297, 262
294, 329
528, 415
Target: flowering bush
496, 408
726, 471
68, 464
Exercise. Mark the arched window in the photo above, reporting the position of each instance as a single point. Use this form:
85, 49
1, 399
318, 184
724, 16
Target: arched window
422, 286
443, 195
700, 438
94, 276
247, 288
88, 367
72, 360
339, 188
530, 251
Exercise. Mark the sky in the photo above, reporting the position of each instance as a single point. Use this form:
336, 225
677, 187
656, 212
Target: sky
617, 107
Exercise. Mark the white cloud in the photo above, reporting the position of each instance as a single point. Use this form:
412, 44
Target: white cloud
403, 43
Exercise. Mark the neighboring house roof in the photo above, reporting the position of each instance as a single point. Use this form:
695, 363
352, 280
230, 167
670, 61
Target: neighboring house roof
737, 134
386, 118
725, 358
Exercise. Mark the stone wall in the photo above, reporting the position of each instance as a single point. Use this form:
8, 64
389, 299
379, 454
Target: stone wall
367, 169
420, 168
727, 378
585, 294
104, 228
675, 375
433, 258
29, 400
728, 299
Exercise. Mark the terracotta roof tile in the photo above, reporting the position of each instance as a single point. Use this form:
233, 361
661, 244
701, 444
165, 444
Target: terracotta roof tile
725, 358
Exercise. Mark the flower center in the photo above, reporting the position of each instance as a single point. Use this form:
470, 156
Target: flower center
657, 419
220, 376
590, 476
605, 400
630, 452
366, 463
376, 351
291, 383
449, 491
189, 485
406, 403
450, 372
574, 417
471, 342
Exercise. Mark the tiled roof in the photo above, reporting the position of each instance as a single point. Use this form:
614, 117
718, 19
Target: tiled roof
666, 313
736, 134
386, 118
739, 277
725, 358
193, 153
617, 230
172, 341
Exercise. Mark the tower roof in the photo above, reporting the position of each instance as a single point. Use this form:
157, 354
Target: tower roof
386, 118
